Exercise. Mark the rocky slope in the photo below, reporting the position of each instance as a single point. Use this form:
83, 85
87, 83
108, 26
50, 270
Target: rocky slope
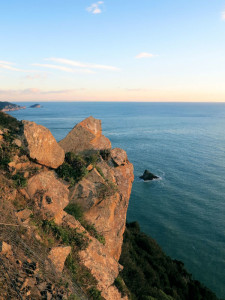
44, 191
62, 219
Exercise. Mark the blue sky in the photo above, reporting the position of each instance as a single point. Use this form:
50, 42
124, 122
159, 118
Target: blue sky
112, 50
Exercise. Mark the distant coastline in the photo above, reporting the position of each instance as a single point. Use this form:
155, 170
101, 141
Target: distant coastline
8, 106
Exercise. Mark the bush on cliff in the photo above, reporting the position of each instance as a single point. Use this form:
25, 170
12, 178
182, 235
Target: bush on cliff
150, 274
73, 169
6, 121
77, 212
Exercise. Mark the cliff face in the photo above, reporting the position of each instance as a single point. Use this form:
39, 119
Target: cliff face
98, 182
104, 193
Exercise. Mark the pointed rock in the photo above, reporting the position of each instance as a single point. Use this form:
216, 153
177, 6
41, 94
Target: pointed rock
58, 256
86, 135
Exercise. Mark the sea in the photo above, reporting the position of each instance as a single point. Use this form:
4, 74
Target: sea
182, 143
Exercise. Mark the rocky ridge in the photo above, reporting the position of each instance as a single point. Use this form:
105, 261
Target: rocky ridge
41, 196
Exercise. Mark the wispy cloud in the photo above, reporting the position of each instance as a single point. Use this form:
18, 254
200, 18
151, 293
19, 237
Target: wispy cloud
5, 62
144, 55
9, 66
73, 63
95, 8
62, 68
223, 15
36, 76
31, 91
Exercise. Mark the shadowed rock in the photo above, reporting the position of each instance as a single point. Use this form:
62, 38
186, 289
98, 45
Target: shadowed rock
148, 176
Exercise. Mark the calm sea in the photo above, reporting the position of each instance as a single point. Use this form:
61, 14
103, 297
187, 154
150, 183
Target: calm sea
185, 145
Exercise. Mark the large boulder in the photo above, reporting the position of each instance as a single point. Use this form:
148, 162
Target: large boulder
49, 194
86, 135
119, 156
41, 145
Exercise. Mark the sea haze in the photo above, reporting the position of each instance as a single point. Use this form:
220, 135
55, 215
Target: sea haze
185, 145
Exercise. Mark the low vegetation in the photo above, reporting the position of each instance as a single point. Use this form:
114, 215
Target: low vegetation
151, 275
77, 212
75, 166
6, 121
73, 169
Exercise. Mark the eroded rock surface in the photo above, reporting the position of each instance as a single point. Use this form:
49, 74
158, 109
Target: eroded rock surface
58, 257
87, 135
41, 145
105, 197
49, 194
99, 261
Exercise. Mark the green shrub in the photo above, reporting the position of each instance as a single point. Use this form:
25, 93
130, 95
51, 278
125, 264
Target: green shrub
5, 157
6, 121
66, 235
73, 169
100, 172
121, 286
94, 293
106, 189
82, 276
92, 158
19, 180
77, 212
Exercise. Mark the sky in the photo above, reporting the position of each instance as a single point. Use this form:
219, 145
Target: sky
112, 50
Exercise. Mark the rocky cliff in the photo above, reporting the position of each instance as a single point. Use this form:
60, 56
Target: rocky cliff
62, 219
49, 184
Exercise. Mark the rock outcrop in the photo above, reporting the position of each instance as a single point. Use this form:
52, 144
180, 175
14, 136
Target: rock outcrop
148, 176
87, 135
104, 198
102, 190
99, 261
41, 145
49, 194
58, 256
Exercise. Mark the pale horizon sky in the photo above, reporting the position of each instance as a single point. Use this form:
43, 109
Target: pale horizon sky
79, 50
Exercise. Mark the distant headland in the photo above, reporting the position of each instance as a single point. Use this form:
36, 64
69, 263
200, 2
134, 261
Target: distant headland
8, 106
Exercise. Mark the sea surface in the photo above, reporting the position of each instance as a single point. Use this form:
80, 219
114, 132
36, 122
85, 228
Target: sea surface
184, 144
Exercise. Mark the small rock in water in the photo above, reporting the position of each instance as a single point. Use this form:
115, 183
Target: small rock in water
148, 176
